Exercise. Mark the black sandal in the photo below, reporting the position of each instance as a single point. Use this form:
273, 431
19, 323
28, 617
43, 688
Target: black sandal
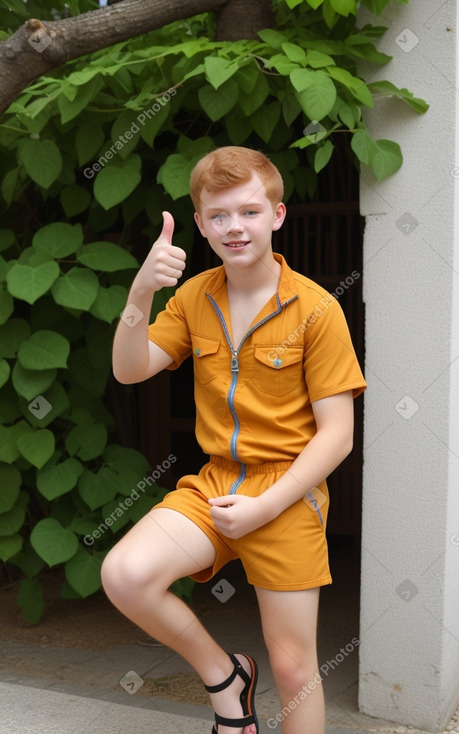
247, 697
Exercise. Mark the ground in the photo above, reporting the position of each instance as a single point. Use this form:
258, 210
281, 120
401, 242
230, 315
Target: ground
91, 623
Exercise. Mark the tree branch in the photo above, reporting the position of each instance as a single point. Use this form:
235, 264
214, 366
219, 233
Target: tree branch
39, 46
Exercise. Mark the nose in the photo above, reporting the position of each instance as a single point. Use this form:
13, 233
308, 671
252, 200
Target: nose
235, 224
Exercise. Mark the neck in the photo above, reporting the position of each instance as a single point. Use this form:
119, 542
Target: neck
259, 275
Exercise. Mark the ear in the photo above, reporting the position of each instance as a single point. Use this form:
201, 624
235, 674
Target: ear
198, 221
280, 214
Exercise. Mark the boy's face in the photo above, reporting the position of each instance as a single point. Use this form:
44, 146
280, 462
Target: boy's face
238, 222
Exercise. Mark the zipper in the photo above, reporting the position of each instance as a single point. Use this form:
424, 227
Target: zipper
234, 374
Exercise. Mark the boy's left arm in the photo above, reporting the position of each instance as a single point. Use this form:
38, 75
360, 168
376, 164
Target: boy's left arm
236, 515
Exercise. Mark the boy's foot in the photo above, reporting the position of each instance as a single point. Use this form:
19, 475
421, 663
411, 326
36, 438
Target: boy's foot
227, 703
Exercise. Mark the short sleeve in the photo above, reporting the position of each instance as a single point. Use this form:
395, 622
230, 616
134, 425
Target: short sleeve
330, 362
170, 331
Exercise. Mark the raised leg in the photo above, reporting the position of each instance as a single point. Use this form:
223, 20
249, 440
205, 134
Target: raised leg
289, 620
165, 546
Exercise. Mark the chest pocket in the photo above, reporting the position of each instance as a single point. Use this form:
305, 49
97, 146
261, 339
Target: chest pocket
205, 358
278, 374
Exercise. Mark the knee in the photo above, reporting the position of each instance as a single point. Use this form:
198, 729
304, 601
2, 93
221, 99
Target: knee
125, 576
293, 673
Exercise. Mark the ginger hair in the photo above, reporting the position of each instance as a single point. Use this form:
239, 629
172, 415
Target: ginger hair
232, 166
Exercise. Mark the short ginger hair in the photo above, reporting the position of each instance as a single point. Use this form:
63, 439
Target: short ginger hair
233, 165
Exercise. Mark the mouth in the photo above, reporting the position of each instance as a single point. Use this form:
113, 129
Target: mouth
237, 244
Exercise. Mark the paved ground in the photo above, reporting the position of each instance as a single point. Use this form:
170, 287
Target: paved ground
131, 689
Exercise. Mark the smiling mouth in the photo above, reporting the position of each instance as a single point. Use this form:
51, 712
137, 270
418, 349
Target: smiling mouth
236, 245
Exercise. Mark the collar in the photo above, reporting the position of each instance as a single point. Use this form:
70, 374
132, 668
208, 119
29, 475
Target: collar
286, 290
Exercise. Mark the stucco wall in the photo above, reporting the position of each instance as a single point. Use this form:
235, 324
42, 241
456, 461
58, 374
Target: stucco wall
409, 652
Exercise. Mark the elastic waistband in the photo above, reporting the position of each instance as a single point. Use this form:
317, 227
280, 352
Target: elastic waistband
235, 466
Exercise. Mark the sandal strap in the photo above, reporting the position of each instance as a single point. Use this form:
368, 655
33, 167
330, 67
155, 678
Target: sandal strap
237, 670
234, 723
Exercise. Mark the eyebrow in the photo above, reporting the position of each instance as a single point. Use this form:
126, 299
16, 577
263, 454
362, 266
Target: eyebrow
247, 205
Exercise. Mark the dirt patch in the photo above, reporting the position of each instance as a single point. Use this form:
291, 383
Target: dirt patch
89, 624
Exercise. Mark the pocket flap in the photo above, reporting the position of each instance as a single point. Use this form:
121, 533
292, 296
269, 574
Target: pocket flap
202, 346
271, 358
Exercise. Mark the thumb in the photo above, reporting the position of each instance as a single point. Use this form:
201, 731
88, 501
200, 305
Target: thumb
226, 501
168, 227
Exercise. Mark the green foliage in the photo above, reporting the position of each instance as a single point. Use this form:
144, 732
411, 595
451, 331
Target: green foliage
92, 154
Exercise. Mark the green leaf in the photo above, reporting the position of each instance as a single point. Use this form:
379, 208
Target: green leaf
54, 543
30, 383
10, 482
74, 199
113, 184
355, 85
109, 303
387, 89
273, 38
83, 572
344, 7
88, 140
253, 100
30, 600
323, 155
10, 546
9, 436
219, 70
316, 92
54, 481
87, 442
37, 447
265, 119
58, 239
5, 370
363, 146
317, 59
115, 513
151, 124
42, 161
44, 350
217, 102
9, 184
96, 489
106, 256
6, 306
44, 409
12, 521
295, 53
129, 464
29, 283
76, 289
387, 160
70, 108
174, 175
85, 374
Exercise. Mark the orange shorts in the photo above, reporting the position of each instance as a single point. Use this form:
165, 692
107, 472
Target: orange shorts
289, 553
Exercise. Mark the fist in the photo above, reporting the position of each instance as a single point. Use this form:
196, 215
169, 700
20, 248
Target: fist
165, 263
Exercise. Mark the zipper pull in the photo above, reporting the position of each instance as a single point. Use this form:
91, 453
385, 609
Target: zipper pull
234, 363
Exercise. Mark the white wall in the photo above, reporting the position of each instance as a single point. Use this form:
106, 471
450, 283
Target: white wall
409, 653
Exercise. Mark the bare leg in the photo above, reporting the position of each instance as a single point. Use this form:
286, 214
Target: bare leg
137, 573
289, 620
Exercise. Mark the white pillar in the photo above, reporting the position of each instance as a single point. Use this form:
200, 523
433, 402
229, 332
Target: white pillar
409, 628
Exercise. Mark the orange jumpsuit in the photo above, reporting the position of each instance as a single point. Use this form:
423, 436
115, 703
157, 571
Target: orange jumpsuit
254, 414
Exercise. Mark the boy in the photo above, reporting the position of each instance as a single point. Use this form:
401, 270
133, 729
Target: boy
275, 377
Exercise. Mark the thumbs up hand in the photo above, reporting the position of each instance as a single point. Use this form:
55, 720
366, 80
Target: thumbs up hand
164, 263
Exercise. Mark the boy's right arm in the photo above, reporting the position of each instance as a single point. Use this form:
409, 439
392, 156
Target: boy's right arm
135, 357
